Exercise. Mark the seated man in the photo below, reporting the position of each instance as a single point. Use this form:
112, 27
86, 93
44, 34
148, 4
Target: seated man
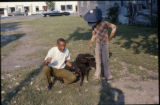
55, 61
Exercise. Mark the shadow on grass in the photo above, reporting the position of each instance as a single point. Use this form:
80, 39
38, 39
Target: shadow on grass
110, 96
7, 27
140, 39
6, 39
11, 26
147, 42
28, 78
78, 35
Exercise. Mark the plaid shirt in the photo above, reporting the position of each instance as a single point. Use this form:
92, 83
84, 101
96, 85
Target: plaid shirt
101, 31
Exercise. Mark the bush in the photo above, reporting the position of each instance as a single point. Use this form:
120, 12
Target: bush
113, 13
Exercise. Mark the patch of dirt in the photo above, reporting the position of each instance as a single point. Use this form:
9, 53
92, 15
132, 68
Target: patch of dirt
139, 92
135, 89
150, 73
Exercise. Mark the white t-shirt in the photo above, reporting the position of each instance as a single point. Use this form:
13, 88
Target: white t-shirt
58, 57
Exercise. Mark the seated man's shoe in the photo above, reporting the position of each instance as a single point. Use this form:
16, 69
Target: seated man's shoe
49, 86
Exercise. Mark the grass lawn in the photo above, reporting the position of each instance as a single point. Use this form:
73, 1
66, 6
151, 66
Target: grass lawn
133, 52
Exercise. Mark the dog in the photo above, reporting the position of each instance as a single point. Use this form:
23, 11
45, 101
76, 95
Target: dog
82, 66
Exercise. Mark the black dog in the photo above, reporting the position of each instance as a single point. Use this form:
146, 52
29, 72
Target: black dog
82, 66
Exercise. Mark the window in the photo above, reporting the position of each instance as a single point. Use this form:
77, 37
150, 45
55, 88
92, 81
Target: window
69, 7
63, 7
143, 6
12, 9
37, 9
26, 9
1, 11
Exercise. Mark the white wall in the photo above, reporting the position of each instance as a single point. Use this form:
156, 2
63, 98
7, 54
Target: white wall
59, 3
12, 4
20, 5
32, 6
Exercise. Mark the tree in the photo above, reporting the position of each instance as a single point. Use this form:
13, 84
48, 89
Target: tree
113, 13
122, 3
50, 4
132, 10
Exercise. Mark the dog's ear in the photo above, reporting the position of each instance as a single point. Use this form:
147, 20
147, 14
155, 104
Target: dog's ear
83, 60
93, 59
90, 58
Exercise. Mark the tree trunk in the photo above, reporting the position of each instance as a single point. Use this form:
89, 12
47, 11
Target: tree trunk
151, 18
122, 3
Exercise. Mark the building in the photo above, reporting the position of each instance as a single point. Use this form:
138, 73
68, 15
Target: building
143, 7
66, 6
36, 7
32, 7
84, 6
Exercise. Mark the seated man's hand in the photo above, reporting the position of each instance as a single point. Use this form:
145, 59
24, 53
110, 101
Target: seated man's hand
47, 61
72, 68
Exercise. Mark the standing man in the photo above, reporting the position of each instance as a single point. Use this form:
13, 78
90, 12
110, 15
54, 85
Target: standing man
55, 61
100, 34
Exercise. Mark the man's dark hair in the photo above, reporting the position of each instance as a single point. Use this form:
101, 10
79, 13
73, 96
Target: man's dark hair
61, 39
96, 24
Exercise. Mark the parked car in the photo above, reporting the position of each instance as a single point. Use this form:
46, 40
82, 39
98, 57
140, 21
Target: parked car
16, 13
66, 13
55, 13
40, 12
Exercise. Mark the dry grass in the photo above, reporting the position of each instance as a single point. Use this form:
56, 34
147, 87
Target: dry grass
130, 45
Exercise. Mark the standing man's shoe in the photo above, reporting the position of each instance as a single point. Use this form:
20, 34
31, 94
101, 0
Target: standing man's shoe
110, 77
